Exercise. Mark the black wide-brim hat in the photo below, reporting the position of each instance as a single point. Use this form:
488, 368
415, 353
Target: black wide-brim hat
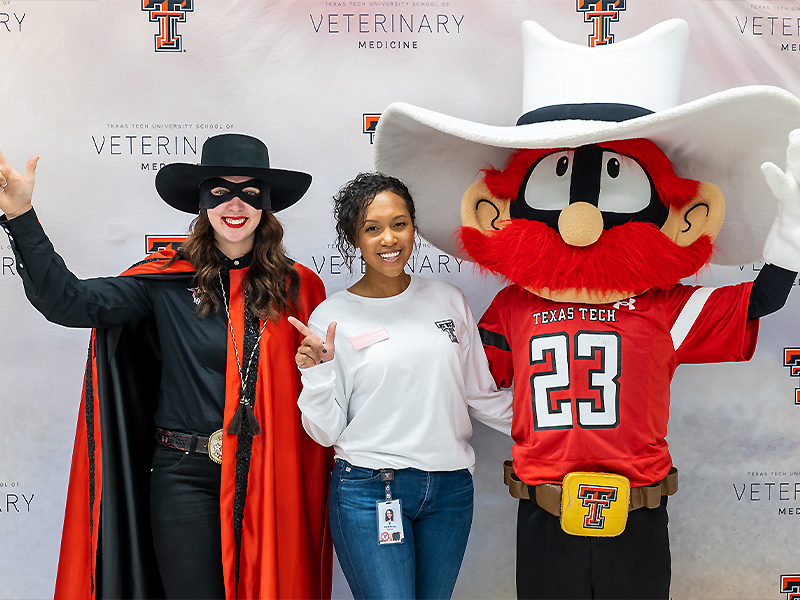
227, 155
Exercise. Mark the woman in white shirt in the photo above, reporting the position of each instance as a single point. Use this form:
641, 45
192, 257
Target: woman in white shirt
391, 388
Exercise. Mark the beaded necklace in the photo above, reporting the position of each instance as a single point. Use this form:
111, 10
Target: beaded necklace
244, 402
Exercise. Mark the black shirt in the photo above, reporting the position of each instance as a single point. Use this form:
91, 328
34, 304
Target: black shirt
192, 391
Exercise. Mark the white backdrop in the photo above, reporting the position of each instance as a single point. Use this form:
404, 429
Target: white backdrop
82, 84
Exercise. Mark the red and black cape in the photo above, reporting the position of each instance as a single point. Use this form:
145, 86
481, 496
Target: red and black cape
107, 548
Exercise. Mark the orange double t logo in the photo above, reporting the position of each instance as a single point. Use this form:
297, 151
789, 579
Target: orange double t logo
791, 359
790, 585
600, 13
167, 13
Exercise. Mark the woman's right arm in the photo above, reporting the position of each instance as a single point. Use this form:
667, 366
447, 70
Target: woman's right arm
49, 285
322, 401
16, 189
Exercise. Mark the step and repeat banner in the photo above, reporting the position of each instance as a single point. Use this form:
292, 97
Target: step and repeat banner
109, 91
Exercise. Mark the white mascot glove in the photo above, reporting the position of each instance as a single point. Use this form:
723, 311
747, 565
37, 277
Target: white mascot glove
782, 247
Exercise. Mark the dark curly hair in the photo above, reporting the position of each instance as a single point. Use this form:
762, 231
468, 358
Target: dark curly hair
350, 206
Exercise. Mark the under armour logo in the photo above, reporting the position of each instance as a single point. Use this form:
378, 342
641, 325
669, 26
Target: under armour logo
629, 303
448, 327
596, 498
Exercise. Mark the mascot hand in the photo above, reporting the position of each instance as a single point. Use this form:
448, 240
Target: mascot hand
782, 247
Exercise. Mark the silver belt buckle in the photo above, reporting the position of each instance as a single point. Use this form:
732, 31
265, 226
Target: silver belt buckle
215, 446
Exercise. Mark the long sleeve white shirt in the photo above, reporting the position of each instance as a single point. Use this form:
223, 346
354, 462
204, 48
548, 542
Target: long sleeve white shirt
403, 401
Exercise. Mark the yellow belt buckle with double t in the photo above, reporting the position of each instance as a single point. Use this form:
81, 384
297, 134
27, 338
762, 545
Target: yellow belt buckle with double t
595, 504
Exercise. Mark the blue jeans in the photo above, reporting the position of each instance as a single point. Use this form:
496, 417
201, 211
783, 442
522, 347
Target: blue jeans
437, 515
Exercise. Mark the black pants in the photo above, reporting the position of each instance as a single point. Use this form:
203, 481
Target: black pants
554, 564
184, 510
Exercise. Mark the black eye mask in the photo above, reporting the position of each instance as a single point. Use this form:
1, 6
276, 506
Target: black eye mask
258, 201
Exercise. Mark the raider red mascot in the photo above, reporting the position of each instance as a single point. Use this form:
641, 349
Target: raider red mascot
603, 197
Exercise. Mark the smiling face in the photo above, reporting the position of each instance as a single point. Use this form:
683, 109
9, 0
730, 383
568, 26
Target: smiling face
234, 221
387, 238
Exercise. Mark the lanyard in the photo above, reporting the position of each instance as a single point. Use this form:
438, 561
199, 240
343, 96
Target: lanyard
387, 476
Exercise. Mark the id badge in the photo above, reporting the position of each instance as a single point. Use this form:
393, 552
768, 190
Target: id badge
390, 522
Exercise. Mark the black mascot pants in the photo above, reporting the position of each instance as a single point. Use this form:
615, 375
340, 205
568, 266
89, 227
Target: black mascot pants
184, 511
554, 564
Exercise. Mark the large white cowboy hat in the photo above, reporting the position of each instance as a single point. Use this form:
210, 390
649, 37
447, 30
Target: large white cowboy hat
575, 95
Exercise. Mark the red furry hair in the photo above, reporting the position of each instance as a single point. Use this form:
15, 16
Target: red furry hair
632, 257
673, 191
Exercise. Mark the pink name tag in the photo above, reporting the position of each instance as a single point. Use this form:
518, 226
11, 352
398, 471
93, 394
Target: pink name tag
362, 340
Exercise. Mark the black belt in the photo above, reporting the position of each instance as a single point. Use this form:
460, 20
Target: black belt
191, 442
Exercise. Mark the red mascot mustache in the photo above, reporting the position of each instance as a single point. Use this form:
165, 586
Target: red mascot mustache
632, 257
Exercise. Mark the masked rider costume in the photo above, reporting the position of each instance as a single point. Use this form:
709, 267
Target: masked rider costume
161, 389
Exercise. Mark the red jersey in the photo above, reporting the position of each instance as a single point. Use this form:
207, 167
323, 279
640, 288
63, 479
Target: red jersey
592, 380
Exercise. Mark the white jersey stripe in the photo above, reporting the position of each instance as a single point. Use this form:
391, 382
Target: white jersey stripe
689, 315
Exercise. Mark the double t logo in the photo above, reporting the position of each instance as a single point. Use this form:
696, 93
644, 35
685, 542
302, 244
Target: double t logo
791, 359
168, 13
449, 327
790, 585
596, 498
601, 13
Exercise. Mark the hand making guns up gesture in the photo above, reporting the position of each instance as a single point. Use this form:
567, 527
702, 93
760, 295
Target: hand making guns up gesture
312, 350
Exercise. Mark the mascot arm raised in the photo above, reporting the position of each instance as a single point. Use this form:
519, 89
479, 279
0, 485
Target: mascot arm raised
782, 247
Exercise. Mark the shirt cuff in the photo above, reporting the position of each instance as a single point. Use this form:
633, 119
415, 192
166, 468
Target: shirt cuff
22, 226
319, 376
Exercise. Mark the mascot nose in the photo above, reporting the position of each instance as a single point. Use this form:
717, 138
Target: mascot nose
580, 224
